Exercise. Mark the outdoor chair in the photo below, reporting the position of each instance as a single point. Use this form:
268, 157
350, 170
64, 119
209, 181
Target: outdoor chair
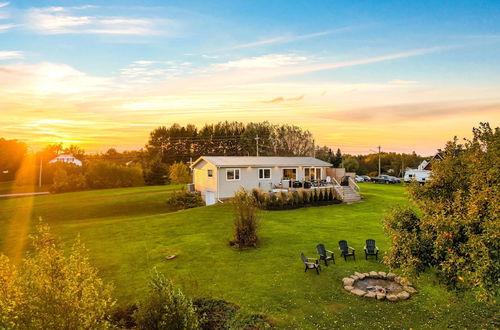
309, 264
323, 254
371, 249
344, 250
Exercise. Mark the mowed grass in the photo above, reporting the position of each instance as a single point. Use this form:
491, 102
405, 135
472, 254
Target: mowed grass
130, 231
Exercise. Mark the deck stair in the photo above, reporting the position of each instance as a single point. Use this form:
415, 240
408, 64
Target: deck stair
349, 194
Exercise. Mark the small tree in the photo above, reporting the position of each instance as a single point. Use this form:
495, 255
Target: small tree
165, 307
52, 291
245, 220
458, 224
156, 173
179, 173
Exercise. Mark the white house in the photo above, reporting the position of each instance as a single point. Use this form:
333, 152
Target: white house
66, 158
219, 177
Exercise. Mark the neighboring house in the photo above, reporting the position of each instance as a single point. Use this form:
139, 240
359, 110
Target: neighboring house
66, 158
427, 164
219, 177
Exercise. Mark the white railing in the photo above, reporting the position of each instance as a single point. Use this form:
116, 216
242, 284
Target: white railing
356, 187
338, 188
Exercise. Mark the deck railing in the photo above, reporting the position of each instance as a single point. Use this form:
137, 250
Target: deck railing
354, 184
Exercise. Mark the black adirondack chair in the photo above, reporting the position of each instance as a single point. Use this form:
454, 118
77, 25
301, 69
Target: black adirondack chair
344, 250
323, 254
309, 264
371, 249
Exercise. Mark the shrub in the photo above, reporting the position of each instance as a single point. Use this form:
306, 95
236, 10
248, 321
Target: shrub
185, 200
246, 321
330, 194
52, 291
300, 196
165, 307
68, 177
214, 313
178, 173
103, 174
306, 195
123, 317
245, 220
314, 194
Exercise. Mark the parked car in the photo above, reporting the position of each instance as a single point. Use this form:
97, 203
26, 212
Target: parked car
397, 180
367, 178
385, 179
359, 178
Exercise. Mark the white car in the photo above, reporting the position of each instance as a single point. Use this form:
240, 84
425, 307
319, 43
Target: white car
359, 178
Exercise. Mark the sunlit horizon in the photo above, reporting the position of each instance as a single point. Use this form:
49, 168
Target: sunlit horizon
408, 77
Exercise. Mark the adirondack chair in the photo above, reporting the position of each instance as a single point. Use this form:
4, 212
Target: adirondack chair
344, 250
371, 249
323, 254
309, 264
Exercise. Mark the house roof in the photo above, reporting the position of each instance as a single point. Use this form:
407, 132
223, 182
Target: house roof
244, 161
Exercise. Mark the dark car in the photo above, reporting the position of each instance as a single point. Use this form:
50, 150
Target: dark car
385, 179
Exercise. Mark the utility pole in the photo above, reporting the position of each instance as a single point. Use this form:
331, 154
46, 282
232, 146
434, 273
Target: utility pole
379, 160
40, 173
314, 148
257, 144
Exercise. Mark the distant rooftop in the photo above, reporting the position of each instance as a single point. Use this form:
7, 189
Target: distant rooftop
253, 161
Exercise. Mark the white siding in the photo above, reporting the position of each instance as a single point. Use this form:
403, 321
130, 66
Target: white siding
202, 182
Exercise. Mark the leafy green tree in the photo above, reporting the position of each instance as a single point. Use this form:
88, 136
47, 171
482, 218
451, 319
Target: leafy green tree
165, 307
351, 164
156, 173
459, 210
179, 173
12, 154
51, 290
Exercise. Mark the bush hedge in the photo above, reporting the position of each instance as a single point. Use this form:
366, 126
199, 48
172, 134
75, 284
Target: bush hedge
283, 200
185, 200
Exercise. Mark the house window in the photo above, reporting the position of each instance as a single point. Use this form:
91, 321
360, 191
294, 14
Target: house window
312, 173
264, 173
232, 174
290, 173
210, 173
318, 174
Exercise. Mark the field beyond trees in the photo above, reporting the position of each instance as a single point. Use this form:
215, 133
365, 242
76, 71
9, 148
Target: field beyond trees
130, 231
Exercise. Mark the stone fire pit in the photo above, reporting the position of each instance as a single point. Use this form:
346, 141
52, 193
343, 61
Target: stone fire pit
379, 285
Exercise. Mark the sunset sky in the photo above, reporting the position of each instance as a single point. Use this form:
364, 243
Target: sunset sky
406, 75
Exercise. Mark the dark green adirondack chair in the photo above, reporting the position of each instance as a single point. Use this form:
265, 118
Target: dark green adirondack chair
323, 254
309, 264
344, 250
371, 249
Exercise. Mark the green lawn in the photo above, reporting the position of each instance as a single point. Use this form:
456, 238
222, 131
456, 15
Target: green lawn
129, 231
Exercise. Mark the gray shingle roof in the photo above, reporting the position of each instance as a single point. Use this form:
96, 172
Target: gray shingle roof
243, 161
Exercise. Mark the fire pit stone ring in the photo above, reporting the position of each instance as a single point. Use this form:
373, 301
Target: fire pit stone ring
379, 285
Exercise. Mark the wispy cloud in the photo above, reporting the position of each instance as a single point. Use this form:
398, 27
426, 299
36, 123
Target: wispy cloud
403, 82
261, 62
5, 27
10, 54
282, 99
66, 20
414, 111
288, 38
4, 4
